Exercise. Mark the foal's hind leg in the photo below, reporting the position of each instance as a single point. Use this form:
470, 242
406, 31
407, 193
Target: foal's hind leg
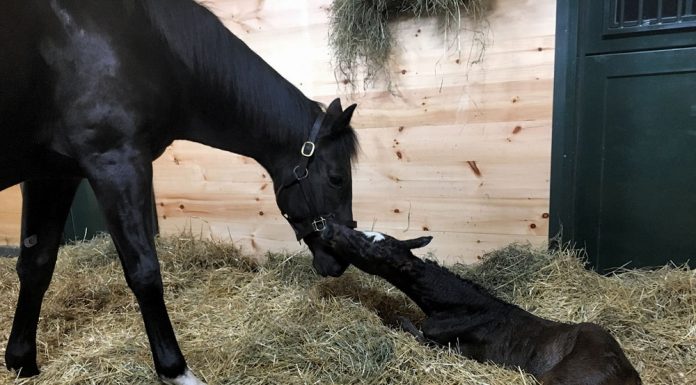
122, 182
46, 204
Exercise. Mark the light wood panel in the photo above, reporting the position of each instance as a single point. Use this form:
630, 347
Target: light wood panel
456, 150
10, 216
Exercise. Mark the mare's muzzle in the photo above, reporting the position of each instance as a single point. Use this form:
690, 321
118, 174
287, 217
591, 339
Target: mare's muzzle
310, 228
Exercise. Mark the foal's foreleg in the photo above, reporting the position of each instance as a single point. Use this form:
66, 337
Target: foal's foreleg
122, 182
406, 325
46, 204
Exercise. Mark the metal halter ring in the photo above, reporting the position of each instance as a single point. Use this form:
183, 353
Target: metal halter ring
307, 149
300, 177
319, 224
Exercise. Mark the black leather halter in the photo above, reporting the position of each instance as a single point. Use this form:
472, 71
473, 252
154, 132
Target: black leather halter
316, 221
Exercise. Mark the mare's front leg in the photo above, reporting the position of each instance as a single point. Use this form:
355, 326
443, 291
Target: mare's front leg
46, 204
122, 181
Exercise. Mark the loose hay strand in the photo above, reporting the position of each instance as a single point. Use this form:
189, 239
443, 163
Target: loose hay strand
240, 322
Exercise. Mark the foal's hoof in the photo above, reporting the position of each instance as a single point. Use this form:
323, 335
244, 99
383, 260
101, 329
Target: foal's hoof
185, 379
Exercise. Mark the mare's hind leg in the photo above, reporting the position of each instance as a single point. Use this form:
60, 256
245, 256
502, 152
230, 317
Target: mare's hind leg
46, 203
122, 182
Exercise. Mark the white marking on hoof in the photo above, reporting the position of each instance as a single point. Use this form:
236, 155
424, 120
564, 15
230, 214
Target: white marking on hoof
185, 379
31, 241
376, 237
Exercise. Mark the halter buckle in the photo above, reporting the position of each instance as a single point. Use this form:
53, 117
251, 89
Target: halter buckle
319, 224
300, 177
307, 149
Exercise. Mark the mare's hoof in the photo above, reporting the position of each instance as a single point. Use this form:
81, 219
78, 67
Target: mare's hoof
24, 371
185, 379
21, 358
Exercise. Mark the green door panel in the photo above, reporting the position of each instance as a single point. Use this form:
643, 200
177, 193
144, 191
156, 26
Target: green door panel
86, 220
623, 175
636, 171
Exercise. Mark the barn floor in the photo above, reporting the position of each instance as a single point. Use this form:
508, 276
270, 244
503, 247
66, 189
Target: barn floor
240, 323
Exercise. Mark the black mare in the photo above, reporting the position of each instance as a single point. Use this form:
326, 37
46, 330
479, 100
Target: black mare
463, 315
98, 89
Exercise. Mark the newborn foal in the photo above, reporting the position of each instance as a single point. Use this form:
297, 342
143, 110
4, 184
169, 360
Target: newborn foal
480, 326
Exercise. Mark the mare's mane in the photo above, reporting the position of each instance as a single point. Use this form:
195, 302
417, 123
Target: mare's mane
256, 94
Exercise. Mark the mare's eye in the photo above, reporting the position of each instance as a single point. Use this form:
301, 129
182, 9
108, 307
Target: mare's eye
336, 180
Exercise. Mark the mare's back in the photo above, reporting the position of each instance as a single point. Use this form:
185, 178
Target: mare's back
54, 53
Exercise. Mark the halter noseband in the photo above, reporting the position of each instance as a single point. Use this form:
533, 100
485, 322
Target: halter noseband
316, 222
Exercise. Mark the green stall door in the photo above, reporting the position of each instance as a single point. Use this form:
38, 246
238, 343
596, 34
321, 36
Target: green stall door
623, 174
85, 219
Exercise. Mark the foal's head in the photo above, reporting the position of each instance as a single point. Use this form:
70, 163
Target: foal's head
318, 190
372, 252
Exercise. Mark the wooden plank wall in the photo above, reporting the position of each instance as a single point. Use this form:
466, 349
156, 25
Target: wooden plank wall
10, 216
457, 150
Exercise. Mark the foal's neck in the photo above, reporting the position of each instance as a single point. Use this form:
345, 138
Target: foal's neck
434, 288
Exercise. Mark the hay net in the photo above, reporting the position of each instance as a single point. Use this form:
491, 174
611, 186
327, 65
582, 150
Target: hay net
360, 37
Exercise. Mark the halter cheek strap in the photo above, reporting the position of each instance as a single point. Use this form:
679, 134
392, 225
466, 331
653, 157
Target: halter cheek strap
316, 222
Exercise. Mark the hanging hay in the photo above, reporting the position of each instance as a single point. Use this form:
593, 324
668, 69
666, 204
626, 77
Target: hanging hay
362, 41
278, 323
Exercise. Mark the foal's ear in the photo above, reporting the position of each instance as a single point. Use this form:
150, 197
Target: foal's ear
418, 242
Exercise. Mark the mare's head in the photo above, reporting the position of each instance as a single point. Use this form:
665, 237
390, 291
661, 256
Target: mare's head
372, 252
316, 186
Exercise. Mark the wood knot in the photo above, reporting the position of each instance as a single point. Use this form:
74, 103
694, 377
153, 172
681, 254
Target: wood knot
474, 167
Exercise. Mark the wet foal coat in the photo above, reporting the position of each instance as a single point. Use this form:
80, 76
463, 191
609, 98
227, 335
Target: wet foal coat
98, 89
466, 317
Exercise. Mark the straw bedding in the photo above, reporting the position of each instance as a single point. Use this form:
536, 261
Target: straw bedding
240, 322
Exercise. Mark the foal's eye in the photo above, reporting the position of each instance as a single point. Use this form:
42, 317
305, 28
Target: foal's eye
336, 180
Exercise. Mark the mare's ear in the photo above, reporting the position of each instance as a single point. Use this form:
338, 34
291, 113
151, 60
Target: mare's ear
334, 109
340, 119
418, 242
343, 121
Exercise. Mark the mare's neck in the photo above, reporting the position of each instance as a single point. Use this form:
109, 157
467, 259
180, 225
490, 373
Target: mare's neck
235, 100
267, 121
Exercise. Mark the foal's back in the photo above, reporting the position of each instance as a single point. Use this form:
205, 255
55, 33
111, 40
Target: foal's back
595, 358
